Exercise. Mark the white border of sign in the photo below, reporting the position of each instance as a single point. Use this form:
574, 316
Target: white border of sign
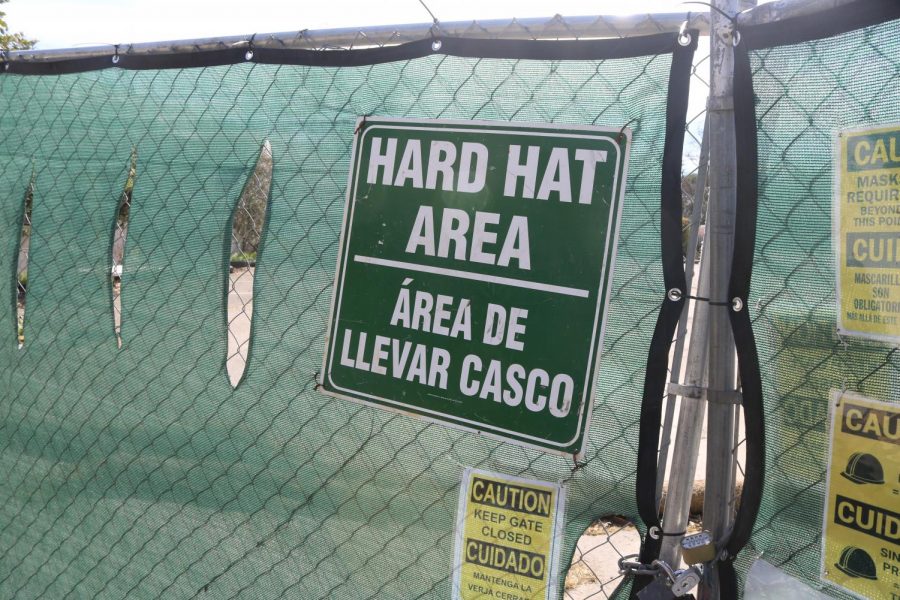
612, 239
559, 513
837, 241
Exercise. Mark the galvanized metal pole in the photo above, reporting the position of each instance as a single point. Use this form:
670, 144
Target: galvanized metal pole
690, 256
690, 427
692, 408
717, 512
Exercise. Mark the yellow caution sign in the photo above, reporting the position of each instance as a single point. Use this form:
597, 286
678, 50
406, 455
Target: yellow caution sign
867, 232
861, 550
507, 538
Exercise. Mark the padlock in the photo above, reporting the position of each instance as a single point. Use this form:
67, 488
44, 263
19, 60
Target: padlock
658, 589
698, 548
684, 581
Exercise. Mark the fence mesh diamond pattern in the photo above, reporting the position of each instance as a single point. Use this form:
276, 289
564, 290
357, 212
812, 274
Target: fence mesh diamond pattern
141, 471
806, 93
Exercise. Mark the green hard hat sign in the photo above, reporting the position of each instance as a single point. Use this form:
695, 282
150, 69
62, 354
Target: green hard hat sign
473, 274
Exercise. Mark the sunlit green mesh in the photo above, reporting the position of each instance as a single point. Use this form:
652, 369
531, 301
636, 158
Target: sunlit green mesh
805, 94
139, 471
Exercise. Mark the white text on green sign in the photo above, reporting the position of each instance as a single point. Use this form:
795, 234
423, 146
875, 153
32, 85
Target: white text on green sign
473, 273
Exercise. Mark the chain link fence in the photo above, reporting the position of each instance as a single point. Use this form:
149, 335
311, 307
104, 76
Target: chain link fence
805, 94
161, 432
162, 435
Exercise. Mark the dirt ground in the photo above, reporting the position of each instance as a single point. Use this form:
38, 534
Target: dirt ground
594, 572
240, 314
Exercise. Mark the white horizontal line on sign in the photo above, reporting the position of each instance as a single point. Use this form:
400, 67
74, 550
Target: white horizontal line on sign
521, 283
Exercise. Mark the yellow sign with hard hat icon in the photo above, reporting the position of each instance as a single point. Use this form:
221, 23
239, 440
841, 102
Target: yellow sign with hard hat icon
861, 546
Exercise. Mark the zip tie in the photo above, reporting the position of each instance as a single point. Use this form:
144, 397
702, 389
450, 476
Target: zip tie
733, 19
622, 131
425, 6
435, 27
657, 532
673, 533
684, 38
576, 466
842, 341
362, 123
711, 303
248, 55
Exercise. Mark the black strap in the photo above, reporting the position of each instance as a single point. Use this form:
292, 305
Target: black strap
673, 275
822, 24
728, 582
649, 45
739, 287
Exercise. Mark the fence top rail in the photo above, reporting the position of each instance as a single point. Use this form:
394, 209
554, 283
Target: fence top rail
555, 27
779, 10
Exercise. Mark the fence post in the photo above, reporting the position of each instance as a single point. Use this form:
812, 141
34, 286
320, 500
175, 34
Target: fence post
691, 409
717, 505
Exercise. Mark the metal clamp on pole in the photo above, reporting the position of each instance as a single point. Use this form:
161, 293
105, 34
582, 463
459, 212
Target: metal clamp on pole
728, 33
720, 104
703, 393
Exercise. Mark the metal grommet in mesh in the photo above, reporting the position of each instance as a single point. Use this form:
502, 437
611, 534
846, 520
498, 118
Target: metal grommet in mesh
737, 304
684, 38
621, 135
115, 57
436, 45
674, 294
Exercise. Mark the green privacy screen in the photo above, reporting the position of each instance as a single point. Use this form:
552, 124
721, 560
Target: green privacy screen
140, 471
806, 93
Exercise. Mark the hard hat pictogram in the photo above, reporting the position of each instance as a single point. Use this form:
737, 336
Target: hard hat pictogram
863, 468
856, 562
